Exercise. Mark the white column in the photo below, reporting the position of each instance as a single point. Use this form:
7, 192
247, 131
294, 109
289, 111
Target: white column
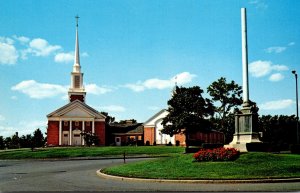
245, 58
83, 128
93, 126
59, 132
70, 133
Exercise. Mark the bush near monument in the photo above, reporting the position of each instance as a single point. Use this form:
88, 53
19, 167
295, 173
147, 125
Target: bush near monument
217, 154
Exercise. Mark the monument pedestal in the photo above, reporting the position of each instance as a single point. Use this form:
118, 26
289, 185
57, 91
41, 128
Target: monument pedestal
246, 125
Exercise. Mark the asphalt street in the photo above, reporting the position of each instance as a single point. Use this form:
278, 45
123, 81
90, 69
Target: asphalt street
80, 175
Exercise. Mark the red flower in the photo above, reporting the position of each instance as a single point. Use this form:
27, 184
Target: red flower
217, 154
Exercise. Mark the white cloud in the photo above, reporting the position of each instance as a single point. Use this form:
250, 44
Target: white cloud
113, 108
8, 53
291, 44
14, 97
7, 40
155, 83
23, 128
96, 90
276, 77
276, 105
259, 4
2, 118
22, 39
40, 47
64, 57
262, 68
84, 54
275, 49
39, 90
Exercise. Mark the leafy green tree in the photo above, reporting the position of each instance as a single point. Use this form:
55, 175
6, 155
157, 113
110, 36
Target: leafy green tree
226, 97
26, 141
90, 138
188, 112
278, 129
2, 144
7, 142
109, 119
15, 141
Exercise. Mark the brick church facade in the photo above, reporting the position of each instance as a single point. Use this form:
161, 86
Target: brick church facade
66, 124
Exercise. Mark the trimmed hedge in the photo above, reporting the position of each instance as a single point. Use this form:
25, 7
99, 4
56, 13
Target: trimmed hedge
295, 148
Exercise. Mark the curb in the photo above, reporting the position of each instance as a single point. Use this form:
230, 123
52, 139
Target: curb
284, 180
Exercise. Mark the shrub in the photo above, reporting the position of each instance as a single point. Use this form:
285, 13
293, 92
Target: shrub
295, 148
217, 154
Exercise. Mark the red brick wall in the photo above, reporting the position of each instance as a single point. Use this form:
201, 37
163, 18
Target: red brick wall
181, 138
149, 135
88, 126
100, 132
53, 133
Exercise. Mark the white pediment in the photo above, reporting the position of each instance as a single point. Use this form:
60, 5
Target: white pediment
157, 118
76, 109
77, 112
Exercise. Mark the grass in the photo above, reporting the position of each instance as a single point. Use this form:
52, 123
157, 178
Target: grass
181, 166
67, 152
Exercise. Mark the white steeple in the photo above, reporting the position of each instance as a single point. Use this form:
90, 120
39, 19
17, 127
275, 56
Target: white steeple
76, 90
76, 66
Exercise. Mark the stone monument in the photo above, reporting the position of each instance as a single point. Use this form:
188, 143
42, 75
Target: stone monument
247, 119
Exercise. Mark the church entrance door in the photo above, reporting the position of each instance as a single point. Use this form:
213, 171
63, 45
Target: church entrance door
76, 137
65, 140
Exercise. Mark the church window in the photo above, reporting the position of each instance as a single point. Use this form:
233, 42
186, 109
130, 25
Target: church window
77, 81
76, 123
66, 123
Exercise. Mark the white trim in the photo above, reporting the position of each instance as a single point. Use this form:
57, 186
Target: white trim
60, 132
74, 119
83, 128
93, 126
70, 133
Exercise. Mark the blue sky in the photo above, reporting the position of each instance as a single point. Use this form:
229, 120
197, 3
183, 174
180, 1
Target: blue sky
132, 50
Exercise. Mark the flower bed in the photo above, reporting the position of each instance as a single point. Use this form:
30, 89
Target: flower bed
217, 154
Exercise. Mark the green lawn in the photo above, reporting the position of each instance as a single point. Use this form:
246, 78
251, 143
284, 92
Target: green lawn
181, 166
67, 152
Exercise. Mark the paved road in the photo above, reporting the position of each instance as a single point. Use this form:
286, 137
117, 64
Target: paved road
80, 175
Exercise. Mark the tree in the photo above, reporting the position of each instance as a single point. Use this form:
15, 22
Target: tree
188, 111
26, 141
109, 119
227, 94
38, 138
90, 138
2, 144
228, 97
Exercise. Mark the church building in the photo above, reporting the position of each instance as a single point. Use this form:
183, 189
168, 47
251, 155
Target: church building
66, 124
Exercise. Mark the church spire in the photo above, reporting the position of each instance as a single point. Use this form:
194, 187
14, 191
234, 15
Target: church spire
76, 66
77, 91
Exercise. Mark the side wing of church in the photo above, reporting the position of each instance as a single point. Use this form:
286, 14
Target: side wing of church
66, 124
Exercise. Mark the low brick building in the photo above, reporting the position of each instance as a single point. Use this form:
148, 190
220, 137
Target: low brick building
153, 134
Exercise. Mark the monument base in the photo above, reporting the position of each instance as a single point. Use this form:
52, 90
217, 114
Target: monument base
245, 129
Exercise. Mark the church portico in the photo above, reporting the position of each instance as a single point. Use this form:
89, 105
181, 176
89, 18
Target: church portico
71, 129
